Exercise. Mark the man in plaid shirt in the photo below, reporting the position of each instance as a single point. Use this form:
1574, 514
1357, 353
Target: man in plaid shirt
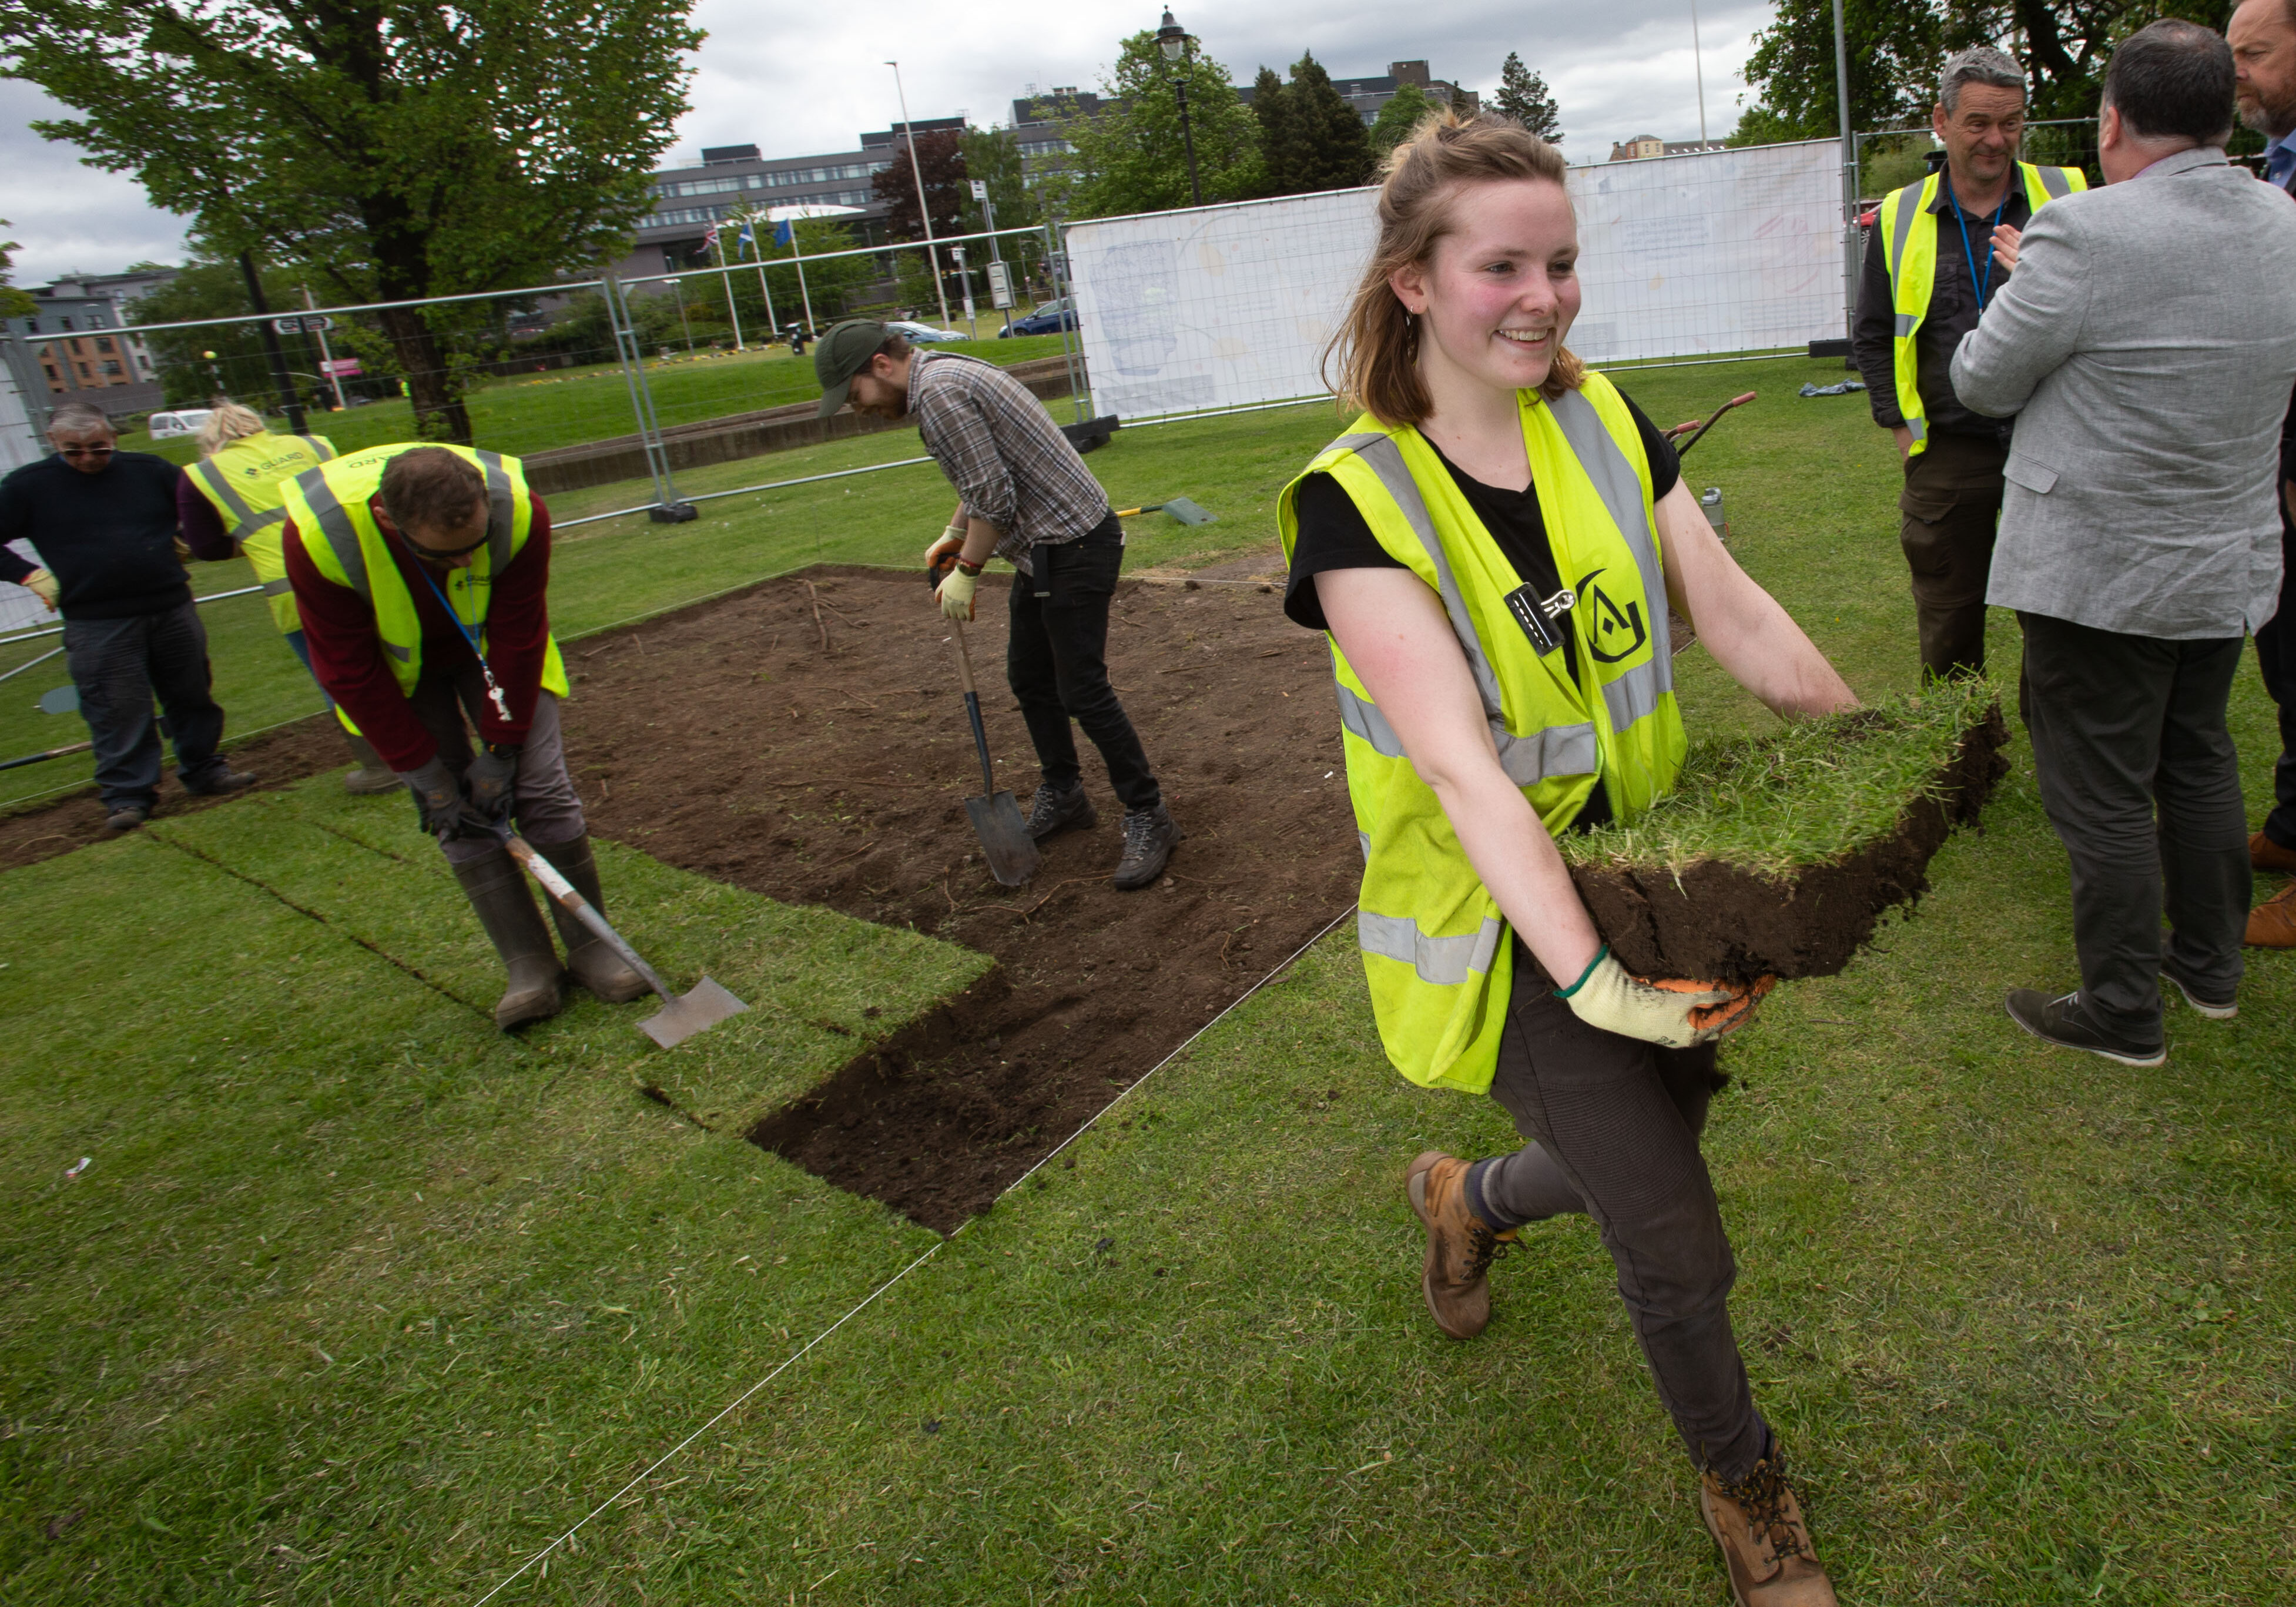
1027, 498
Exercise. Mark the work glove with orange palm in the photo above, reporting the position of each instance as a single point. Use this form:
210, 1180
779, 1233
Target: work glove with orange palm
1668, 1012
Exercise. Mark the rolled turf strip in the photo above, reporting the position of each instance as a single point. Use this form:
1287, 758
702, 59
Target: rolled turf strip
1779, 854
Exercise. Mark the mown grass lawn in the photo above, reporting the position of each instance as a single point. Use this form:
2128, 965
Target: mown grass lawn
2025, 1320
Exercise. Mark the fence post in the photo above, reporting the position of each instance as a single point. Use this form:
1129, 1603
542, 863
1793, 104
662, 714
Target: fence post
24, 368
1055, 255
666, 508
1848, 175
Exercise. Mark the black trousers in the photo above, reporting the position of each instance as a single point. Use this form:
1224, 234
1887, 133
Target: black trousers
1950, 508
1056, 659
1613, 1124
120, 667
2276, 655
2141, 781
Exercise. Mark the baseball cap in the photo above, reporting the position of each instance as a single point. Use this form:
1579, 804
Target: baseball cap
843, 352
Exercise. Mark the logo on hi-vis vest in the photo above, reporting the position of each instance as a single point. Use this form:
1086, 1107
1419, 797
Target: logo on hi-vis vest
1613, 633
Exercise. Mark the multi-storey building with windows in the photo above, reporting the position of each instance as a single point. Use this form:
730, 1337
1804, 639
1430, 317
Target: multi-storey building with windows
98, 351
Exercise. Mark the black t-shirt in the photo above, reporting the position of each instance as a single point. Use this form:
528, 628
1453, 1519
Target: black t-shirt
1333, 535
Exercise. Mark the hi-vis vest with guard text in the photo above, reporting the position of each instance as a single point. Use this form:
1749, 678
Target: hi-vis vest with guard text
1435, 946
246, 484
336, 528
1909, 231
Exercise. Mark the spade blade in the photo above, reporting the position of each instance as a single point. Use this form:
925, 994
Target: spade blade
1005, 840
690, 1012
1186, 512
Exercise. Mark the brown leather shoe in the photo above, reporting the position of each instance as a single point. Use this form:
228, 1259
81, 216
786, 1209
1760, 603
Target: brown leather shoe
1459, 1245
2272, 924
2266, 855
1758, 1524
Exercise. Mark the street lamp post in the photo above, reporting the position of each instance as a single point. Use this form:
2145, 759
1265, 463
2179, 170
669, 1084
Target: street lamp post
924, 213
1172, 39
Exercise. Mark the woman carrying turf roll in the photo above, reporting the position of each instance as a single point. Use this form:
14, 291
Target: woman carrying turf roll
1492, 546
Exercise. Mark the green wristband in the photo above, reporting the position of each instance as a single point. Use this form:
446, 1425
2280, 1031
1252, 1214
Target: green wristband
1601, 955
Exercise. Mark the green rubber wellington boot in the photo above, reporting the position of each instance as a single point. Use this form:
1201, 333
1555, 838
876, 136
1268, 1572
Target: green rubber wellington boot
496, 889
590, 957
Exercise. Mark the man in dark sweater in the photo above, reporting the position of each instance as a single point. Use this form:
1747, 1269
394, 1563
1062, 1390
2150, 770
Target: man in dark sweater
103, 522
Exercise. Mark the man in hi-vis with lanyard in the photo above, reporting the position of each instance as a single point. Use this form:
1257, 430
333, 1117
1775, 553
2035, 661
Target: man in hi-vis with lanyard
1940, 251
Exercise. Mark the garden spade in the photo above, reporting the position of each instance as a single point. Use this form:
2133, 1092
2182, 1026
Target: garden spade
1178, 507
679, 1017
1005, 840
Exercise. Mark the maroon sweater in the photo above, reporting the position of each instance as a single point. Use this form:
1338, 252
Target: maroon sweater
348, 657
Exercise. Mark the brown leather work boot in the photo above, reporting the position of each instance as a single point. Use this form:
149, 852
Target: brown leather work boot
1758, 1524
2266, 855
1460, 1246
2272, 924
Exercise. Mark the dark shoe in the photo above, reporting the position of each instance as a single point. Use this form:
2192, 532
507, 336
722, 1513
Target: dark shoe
1757, 1523
496, 889
2216, 1010
1149, 838
2266, 855
2065, 1022
373, 778
216, 782
589, 956
1053, 813
126, 818
1460, 1245
2272, 924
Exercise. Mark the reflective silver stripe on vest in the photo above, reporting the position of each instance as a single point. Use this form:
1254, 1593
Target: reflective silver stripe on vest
243, 521
279, 587
1907, 323
502, 509
1446, 962
1636, 693
335, 525
2053, 180
319, 448
1909, 202
1361, 715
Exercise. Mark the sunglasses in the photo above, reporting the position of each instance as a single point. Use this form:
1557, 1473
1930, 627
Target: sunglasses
86, 451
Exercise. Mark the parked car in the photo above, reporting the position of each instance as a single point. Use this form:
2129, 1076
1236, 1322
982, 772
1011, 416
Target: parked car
915, 333
1048, 319
163, 425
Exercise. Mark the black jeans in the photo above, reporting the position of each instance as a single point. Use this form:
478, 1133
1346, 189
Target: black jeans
1056, 659
2276, 655
119, 666
1950, 507
1614, 1124
2141, 781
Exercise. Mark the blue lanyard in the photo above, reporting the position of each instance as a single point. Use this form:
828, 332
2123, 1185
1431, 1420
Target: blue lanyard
494, 691
1969, 257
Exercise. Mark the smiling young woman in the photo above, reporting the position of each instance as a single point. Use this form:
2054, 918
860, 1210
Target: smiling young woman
1492, 547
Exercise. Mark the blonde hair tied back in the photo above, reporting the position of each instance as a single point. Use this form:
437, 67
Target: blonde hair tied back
229, 421
1377, 345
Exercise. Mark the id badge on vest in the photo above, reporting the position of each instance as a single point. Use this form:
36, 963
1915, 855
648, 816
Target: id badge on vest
1541, 618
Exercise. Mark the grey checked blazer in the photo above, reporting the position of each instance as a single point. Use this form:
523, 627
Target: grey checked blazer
2146, 345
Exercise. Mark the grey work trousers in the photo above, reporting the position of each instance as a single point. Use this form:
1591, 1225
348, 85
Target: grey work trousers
2141, 781
1613, 1124
1951, 509
120, 667
545, 811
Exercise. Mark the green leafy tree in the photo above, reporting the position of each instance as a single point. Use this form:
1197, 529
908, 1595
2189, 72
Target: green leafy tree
1894, 51
1399, 117
394, 150
198, 364
1129, 156
993, 157
1523, 95
13, 302
1319, 141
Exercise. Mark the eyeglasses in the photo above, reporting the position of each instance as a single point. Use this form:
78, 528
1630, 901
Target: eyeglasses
86, 451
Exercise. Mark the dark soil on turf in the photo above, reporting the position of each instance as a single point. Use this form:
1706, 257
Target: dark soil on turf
727, 740
1716, 920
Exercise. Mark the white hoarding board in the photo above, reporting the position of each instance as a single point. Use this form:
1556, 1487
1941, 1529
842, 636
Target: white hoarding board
1224, 306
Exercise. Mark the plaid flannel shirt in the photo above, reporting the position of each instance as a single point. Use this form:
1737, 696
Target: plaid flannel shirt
1003, 453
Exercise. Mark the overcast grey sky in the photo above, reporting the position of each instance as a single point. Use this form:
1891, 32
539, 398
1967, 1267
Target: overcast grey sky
796, 79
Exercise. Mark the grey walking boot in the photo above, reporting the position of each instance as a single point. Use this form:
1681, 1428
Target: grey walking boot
373, 778
496, 889
1149, 839
1052, 813
590, 957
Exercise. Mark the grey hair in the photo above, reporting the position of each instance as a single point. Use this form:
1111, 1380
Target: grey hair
1979, 64
76, 416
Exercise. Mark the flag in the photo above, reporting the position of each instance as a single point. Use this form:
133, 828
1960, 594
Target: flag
746, 238
785, 231
710, 240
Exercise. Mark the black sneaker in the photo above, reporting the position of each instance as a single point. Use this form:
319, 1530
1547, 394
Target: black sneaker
215, 783
2216, 1010
1052, 813
2065, 1022
1149, 839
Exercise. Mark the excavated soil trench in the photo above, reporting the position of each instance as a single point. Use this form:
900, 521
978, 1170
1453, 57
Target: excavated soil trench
1720, 920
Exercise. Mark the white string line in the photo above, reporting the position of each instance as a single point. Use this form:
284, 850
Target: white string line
930, 1252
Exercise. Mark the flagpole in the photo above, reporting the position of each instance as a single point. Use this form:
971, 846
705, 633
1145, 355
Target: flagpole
796, 255
750, 228
924, 212
718, 239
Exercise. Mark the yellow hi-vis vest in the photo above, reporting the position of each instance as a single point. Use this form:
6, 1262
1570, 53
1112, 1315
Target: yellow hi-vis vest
243, 483
1908, 229
1435, 946
334, 525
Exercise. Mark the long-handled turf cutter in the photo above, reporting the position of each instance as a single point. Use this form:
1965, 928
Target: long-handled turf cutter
1695, 430
34, 758
681, 1016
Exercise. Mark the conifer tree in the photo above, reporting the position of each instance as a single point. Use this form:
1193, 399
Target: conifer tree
1523, 95
1319, 141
